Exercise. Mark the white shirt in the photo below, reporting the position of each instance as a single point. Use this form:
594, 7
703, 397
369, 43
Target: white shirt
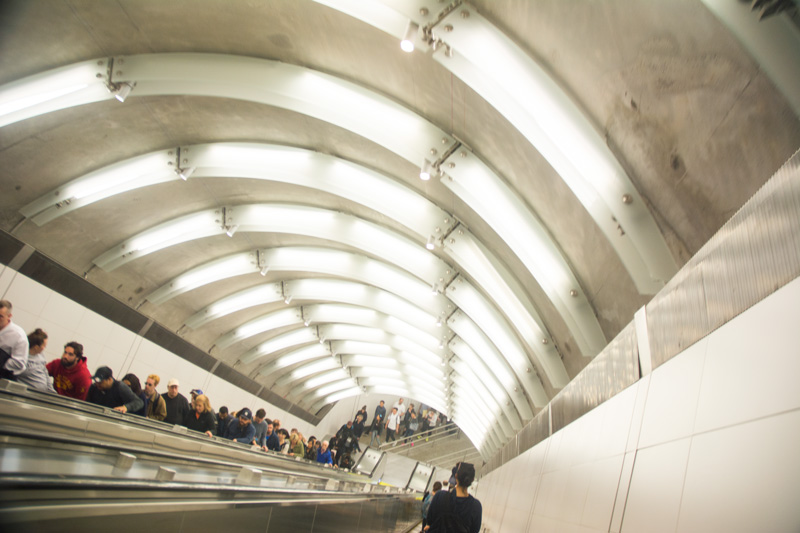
401, 408
14, 341
432, 418
392, 421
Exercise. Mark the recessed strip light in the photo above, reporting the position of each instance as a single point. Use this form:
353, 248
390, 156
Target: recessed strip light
471, 302
284, 218
472, 335
322, 96
260, 295
281, 342
300, 355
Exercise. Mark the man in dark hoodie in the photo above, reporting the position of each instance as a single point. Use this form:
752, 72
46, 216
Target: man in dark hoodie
71, 377
109, 392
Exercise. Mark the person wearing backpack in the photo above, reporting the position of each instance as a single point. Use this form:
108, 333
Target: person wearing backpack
426, 502
456, 511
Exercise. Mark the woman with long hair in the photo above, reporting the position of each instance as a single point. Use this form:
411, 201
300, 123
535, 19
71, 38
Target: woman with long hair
202, 418
135, 385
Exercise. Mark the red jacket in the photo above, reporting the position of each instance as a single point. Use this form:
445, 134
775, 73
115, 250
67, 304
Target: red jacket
73, 381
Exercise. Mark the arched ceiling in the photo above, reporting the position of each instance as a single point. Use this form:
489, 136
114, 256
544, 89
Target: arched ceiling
258, 190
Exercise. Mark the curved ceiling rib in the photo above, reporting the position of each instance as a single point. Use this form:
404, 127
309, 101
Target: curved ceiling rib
472, 48
353, 266
346, 228
283, 218
309, 92
329, 313
319, 171
328, 261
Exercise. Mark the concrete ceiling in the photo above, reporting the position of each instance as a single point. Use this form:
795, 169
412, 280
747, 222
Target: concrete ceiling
689, 115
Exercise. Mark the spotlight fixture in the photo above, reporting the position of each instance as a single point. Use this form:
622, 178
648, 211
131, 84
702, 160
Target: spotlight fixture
264, 270
306, 323
430, 245
288, 300
122, 91
407, 44
231, 230
426, 170
184, 173
434, 291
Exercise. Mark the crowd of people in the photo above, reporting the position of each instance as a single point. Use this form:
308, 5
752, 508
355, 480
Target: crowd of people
22, 359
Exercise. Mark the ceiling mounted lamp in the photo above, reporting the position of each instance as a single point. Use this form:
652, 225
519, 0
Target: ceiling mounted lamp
274, 83
300, 355
336, 386
300, 387
408, 373
185, 173
480, 414
501, 397
508, 215
324, 97
373, 239
348, 292
430, 244
471, 302
507, 78
148, 169
473, 342
362, 316
350, 333
476, 435
335, 397
502, 288
122, 91
492, 414
276, 344
307, 370
426, 170
409, 37
249, 161
382, 356
260, 325
254, 296
329, 261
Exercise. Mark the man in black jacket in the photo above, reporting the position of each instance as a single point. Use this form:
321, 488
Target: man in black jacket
109, 392
177, 404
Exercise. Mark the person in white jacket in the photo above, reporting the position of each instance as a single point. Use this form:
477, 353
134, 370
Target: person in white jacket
13, 344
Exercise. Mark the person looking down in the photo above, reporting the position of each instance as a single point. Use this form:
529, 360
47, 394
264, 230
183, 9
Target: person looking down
456, 510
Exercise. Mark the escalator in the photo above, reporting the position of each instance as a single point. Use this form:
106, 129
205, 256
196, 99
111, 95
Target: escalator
72, 466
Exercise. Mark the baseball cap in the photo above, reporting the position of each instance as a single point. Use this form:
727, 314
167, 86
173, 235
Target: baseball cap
196, 391
172, 382
102, 374
246, 414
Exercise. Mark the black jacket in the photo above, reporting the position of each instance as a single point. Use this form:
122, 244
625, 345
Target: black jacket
206, 422
177, 408
118, 394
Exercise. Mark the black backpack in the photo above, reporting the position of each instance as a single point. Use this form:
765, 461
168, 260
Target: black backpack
449, 520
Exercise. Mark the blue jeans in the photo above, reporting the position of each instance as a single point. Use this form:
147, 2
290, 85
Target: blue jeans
374, 435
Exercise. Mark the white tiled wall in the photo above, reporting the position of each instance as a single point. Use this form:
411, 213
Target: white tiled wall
708, 442
108, 344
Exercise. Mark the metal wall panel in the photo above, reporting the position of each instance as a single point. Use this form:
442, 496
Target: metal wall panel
616, 368
754, 254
